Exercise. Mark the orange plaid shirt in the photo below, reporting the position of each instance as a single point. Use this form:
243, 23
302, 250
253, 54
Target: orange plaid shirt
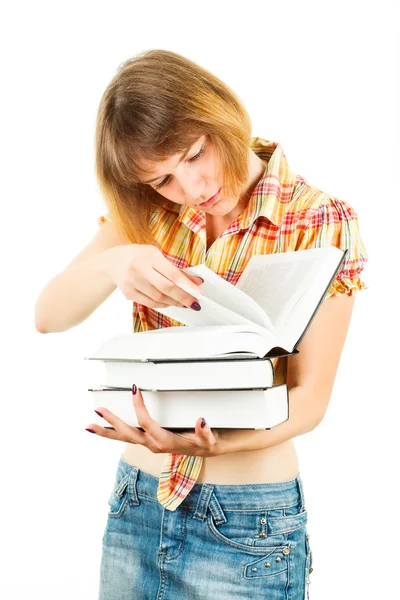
284, 213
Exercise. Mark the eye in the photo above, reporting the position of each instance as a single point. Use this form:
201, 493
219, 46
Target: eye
195, 157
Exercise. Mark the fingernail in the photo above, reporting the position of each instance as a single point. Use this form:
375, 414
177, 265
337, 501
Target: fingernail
134, 389
99, 413
195, 306
91, 430
203, 423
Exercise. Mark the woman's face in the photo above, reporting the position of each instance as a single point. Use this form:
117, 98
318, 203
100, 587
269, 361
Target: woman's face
193, 180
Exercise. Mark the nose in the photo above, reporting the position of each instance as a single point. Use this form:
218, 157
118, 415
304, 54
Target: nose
192, 187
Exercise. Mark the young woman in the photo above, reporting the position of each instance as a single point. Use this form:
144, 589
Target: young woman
212, 514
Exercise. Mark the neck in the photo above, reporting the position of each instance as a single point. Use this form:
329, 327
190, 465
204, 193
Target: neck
256, 171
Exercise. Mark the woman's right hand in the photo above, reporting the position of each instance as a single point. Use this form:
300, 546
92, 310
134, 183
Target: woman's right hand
144, 275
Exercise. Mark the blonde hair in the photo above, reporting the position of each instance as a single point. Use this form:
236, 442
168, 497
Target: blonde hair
158, 104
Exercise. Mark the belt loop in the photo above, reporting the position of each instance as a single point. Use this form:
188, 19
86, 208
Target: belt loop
216, 510
132, 486
202, 503
301, 493
207, 498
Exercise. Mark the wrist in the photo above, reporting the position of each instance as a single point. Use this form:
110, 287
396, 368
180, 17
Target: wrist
224, 442
107, 260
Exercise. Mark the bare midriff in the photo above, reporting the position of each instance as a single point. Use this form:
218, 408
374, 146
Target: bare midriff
268, 465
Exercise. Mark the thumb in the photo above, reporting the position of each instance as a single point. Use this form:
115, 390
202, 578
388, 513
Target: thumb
194, 278
206, 431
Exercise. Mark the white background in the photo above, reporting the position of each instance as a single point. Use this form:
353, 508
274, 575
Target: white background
319, 78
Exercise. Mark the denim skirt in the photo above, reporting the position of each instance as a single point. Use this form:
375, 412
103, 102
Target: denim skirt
224, 542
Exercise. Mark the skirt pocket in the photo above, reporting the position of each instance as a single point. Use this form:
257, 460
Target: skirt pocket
258, 528
281, 523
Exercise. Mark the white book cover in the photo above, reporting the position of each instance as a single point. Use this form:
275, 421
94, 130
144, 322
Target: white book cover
180, 409
207, 374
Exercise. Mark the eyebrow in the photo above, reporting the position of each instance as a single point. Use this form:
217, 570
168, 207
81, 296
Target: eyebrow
180, 160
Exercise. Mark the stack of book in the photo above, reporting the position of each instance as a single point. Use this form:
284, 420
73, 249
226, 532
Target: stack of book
219, 365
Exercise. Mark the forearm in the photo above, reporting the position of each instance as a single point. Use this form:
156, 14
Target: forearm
74, 294
303, 418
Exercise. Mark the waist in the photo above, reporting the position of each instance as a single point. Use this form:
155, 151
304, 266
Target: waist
268, 465
265, 496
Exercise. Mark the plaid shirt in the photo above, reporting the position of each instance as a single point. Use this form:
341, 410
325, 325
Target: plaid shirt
284, 213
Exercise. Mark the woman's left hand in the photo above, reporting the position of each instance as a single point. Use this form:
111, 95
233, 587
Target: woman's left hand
203, 442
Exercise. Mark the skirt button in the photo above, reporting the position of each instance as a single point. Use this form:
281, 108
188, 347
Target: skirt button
286, 551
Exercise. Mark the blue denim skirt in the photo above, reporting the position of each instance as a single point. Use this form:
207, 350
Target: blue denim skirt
223, 542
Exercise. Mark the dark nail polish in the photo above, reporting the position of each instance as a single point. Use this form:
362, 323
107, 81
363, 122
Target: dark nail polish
134, 389
195, 306
91, 430
203, 423
98, 413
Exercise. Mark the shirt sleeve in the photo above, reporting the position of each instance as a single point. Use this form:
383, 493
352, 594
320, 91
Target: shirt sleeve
335, 223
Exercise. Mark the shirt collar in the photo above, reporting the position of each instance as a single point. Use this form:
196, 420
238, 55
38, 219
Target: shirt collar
269, 198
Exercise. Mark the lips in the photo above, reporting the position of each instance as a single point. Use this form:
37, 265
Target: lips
210, 200
211, 197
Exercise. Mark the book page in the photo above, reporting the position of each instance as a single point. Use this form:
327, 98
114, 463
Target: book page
307, 305
277, 281
272, 287
211, 312
229, 296
221, 303
186, 342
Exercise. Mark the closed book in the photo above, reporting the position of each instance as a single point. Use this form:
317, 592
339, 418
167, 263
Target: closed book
178, 410
190, 375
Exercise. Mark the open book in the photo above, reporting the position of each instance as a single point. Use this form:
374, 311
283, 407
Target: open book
276, 297
265, 315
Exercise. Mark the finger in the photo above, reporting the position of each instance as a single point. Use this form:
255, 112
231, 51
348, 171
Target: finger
107, 433
176, 276
125, 431
205, 432
169, 291
197, 280
141, 298
160, 436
